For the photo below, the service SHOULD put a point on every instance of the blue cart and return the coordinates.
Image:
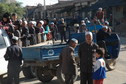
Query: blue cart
(42, 61)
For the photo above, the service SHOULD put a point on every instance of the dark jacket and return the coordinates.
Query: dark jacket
(62, 28)
(86, 56)
(14, 54)
(32, 36)
(25, 35)
(68, 63)
(101, 35)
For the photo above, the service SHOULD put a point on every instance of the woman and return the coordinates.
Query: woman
(7, 25)
(47, 29)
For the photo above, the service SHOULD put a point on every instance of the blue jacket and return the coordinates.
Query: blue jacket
(99, 69)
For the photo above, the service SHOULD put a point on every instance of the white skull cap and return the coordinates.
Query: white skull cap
(82, 21)
(42, 22)
(105, 27)
(100, 8)
(25, 22)
(89, 33)
(15, 38)
(75, 40)
(107, 22)
(52, 23)
(31, 22)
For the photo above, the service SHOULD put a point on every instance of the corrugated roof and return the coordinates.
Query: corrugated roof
(107, 3)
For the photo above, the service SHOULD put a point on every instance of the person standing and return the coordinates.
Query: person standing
(17, 32)
(62, 30)
(24, 34)
(14, 57)
(101, 36)
(54, 31)
(99, 73)
(47, 29)
(100, 15)
(87, 59)
(82, 27)
(32, 33)
(7, 25)
(68, 63)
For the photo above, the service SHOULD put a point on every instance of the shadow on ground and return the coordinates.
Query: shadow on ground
(25, 80)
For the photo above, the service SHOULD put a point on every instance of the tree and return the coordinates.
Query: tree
(12, 8)
(3, 1)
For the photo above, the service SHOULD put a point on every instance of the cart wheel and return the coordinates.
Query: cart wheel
(29, 72)
(44, 74)
(110, 64)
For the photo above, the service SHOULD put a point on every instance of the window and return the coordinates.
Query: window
(2, 42)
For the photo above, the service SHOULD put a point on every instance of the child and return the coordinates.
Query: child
(99, 73)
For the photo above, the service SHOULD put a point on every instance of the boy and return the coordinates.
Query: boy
(99, 73)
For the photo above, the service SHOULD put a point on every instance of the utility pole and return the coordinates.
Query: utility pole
(44, 5)
(45, 12)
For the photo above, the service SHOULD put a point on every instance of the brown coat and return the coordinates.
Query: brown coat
(68, 63)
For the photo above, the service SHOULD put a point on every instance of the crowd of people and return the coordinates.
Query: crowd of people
(25, 33)
(33, 32)
(91, 55)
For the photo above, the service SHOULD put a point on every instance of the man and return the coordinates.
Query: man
(14, 18)
(101, 36)
(83, 27)
(68, 63)
(14, 57)
(100, 15)
(62, 30)
(106, 23)
(85, 52)
(103, 33)
(54, 31)
(32, 33)
(24, 34)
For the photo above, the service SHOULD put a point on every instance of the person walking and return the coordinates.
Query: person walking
(68, 63)
(87, 59)
(99, 73)
(14, 57)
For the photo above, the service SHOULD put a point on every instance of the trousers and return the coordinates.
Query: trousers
(13, 73)
(86, 78)
(98, 81)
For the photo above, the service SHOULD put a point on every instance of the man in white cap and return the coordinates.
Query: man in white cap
(54, 31)
(82, 27)
(106, 23)
(68, 63)
(85, 52)
(32, 33)
(14, 57)
(24, 34)
(102, 33)
(101, 36)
